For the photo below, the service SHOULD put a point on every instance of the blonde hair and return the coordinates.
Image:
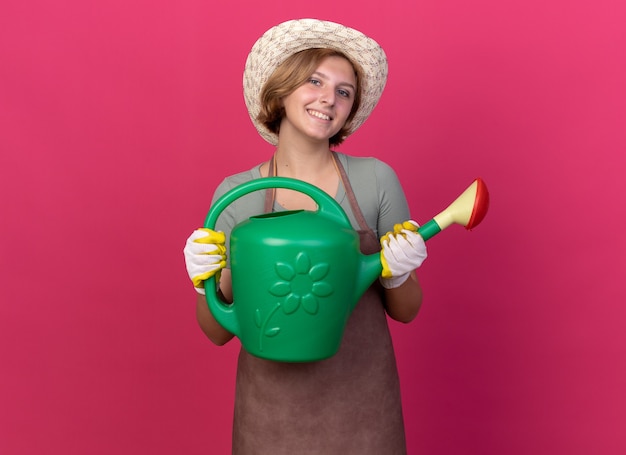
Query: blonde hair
(290, 75)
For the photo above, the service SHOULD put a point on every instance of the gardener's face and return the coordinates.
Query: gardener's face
(320, 107)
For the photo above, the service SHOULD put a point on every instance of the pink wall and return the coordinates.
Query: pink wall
(118, 119)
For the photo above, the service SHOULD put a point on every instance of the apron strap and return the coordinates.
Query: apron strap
(354, 205)
(270, 193)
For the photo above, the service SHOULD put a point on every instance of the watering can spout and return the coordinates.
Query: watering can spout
(370, 270)
(467, 210)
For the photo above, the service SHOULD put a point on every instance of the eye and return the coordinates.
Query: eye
(314, 81)
(343, 93)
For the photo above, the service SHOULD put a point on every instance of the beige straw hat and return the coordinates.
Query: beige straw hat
(290, 37)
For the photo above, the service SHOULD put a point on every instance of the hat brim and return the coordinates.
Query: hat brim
(288, 38)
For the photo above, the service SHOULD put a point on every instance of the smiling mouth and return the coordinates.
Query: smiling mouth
(319, 115)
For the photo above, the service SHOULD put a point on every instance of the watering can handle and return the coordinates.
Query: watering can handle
(327, 206)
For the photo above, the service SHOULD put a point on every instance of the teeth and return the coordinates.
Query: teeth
(319, 115)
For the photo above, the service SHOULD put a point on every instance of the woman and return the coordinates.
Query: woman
(309, 84)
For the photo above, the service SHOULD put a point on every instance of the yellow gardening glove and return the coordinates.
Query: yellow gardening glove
(205, 256)
(403, 251)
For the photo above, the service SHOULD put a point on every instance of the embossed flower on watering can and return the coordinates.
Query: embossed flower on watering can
(301, 284)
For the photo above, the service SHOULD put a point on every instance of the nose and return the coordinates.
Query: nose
(327, 96)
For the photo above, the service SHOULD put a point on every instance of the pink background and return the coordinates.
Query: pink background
(117, 121)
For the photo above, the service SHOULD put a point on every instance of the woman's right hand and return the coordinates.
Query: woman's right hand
(205, 256)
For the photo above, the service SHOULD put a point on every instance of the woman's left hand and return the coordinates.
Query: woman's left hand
(403, 251)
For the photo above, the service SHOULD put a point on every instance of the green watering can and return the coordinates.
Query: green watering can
(297, 275)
